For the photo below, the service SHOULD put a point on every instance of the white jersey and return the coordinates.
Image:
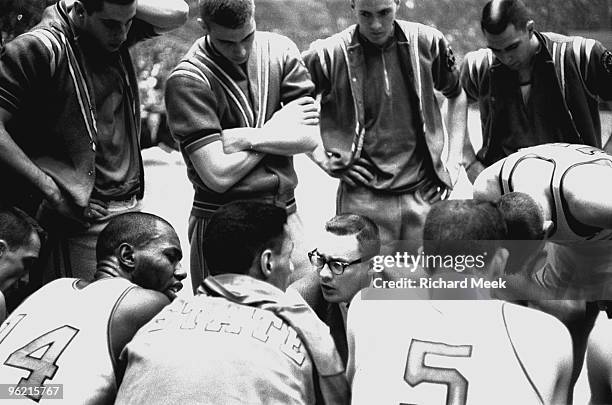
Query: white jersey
(60, 335)
(437, 352)
(581, 254)
(563, 156)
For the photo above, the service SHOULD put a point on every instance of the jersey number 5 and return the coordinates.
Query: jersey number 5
(418, 372)
(39, 357)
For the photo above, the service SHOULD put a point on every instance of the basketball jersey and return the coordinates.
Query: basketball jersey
(564, 157)
(60, 335)
(435, 352)
(209, 350)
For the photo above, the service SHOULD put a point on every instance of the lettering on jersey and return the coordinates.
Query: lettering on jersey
(417, 372)
(221, 316)
(39, 358)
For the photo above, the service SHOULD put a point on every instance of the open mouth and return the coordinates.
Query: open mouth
(173, 290)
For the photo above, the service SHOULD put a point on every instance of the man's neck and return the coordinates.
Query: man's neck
(535, 46)
(108, 267)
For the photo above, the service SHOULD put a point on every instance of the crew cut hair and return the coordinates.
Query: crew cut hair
(227, 13)
(364, 229)
(237, 234)
(498, 14)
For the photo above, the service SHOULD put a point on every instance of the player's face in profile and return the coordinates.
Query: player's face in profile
(15, 264)
(233, 43)
(512, 46)
(109, 27)
(342, 287)
(375, 19)
(157, 264)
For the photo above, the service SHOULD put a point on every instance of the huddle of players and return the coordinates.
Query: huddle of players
(253, 340)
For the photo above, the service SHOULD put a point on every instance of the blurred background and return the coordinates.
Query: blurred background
(307, 20)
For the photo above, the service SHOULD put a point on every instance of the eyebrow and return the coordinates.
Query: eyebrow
(176, 251)
(334, 258)
(506, 48)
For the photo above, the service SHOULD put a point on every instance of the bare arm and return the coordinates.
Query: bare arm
(473, 166)
(136, 308)
(220, 170)
(486, 185)
(456, 123)
(291, 130)
(163, 15)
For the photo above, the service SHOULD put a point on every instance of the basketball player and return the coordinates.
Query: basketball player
(244, 341)
(560, 177)
(20, 240)
(457, 352)
(70, 332)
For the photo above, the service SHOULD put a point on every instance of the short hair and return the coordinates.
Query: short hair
(498, 14)
(525, 223)
(463, 227)
(522, 215)
(237, 234)
(92, 6)
(227, 13)
(16, 228)
(135, 228)
(364, 229)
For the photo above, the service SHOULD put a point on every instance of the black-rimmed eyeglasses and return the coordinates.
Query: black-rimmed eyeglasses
(337, 267)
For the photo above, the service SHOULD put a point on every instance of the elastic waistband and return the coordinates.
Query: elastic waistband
(201, 208)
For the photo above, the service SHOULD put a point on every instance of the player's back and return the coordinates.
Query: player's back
(59, 335)
(209, 350)
(453, 352)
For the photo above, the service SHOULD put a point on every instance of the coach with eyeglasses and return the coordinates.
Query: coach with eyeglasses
(343, 264)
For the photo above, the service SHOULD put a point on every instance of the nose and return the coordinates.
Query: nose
(376, 25)
(121, 33)
(325, 273)
(240, 51)
(179, 273)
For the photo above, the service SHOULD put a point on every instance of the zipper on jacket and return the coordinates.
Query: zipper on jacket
(387, 86)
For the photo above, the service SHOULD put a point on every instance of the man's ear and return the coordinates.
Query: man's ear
(126, 255)
(265, 263)
(3, 247)
(353, 4)
(530, 27)
(203, 24)
(79, 8)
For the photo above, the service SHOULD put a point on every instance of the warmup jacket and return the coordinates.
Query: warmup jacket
(44, 84)
(336, 65)
(578, 70)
